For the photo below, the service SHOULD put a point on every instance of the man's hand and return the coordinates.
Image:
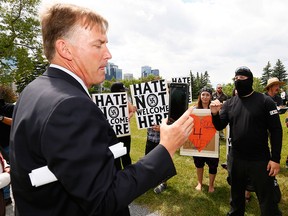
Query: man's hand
(173, 136)
(273, 168)
(215, 106)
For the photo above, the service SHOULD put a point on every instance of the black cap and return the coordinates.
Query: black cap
(206, 89)
(244, 71)
(118, 87)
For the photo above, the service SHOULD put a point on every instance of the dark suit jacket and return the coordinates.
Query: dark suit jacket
(55, 123)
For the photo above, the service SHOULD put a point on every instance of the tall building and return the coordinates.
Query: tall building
(112, 71)
(155, 72)
(118, 74)
(146, 71)
(128, 76)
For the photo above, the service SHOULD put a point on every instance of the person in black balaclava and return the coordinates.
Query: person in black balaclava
(243, 81)
(251, 116)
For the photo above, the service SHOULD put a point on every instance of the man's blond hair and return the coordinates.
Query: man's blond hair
(61, 20)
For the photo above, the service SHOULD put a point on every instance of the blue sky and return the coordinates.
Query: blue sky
(177, 36)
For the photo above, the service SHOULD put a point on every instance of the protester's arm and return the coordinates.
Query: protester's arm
(7, 120)
(275, 129)
(273, 168)
(219, 122)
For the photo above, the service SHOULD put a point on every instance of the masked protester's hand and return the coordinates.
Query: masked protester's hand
(215, 106)
(273, 168)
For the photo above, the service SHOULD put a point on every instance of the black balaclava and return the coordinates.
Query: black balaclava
(244, 87)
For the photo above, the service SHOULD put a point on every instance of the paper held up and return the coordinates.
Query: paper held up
(43, 175)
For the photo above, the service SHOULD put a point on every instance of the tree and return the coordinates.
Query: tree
(192, 84)
(197, 86)
(20, 42)
(279, 71)
(199, 82)
(267, 71)
(149, 78)
(257, 85)
(206, 79)
(228, 89)
(106, 85)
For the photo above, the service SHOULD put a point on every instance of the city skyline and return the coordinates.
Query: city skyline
(114, 71)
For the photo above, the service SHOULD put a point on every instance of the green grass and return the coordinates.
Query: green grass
(181, 198)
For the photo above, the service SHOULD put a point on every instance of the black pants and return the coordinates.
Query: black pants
(150, 146)
(124, 160)
(240, 171)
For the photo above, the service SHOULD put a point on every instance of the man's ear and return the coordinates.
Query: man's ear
(63, 47)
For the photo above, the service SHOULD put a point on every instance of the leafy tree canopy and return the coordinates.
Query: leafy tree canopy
(278, 71)
(20, 42)
(198, 82)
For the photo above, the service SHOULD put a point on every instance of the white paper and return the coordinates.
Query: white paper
(118, 150)
(43, 175)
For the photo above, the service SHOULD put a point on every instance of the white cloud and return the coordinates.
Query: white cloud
(200, 35)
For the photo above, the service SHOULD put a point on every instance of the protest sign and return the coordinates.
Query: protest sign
(204, 139)
(115, 108)
(151, 100)
(184, 80)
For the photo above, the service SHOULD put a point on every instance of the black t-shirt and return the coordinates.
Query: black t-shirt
(250, 120)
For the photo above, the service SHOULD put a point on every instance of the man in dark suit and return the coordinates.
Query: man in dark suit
(55, 123)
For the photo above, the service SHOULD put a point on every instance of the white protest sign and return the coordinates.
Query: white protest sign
(184, 80)
(115, 108)
(151, 100)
